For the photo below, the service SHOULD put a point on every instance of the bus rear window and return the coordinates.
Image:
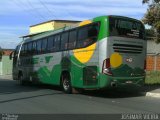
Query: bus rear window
(126, 27)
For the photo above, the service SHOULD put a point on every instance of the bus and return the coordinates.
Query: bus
(104, 52)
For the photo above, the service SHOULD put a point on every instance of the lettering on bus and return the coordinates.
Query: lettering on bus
(127, 24)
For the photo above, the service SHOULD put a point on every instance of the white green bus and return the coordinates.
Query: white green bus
(104, 52)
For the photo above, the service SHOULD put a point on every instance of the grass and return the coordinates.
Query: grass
(152, 78)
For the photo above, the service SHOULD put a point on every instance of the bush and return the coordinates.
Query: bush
(153, 78)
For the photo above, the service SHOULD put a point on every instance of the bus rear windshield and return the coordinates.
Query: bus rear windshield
(126, 28)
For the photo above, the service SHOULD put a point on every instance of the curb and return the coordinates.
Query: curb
(5, 76)
(150, 94)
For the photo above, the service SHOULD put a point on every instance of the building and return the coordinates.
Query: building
(51, 25)
(6, 63)
(153, 56)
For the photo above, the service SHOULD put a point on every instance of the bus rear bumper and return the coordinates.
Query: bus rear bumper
(126, 83)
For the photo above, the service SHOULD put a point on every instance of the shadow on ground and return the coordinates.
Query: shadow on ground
(11, 86)
(113, 94)
(9, 90)
(116, 93)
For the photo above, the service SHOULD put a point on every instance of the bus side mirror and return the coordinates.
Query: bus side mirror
(11, 55)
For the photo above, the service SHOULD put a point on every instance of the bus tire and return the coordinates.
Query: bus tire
(20, 79)
(66, 83)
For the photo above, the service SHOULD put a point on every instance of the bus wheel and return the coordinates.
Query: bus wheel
(66, 84)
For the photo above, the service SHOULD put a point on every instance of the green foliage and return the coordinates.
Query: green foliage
(150, 34)
(152, 17)
(153, 78)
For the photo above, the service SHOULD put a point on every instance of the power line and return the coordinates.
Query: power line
(29, 3)
(68, 12)
(43, 3)
(19, 4)
(37, 16)
(50, 12)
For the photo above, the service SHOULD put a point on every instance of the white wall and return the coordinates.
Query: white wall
(152, 47)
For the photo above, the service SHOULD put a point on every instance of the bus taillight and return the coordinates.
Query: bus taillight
(106, 69)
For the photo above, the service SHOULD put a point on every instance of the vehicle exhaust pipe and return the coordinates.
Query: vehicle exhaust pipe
(113, 84)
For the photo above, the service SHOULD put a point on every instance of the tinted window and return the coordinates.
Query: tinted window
(50, 44)
(22, 50)
(87, 35)
(83, 33)
(126, 27)
(93, 31)
(44, 45)
(29, 48)
(16, 51)
(34, 48)
(82, 36)
(72, 39)
(39, 46)
(56, 43)
(25, 49)
(64, 41)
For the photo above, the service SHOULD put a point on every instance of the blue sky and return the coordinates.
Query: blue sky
(17, 15)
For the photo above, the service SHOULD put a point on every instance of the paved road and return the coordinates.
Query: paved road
(48, 99)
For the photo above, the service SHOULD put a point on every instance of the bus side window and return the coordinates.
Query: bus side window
(44, 45)
(25, 49)
(64, 41)
(16, 55)
(22, 50)
(87, 35)
(56, 43)
(16, 51)
(30, 48)
(72, 39)
(34, 48)
(82, 36)
(39, 46)
(50, 44)
(93, 31)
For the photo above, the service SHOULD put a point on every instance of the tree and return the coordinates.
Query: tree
(149, 34)
(152, 17)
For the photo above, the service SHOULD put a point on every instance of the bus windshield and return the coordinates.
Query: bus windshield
(126, 27)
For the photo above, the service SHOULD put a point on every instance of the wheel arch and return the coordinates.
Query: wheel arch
(63, 73)
(20, 73)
